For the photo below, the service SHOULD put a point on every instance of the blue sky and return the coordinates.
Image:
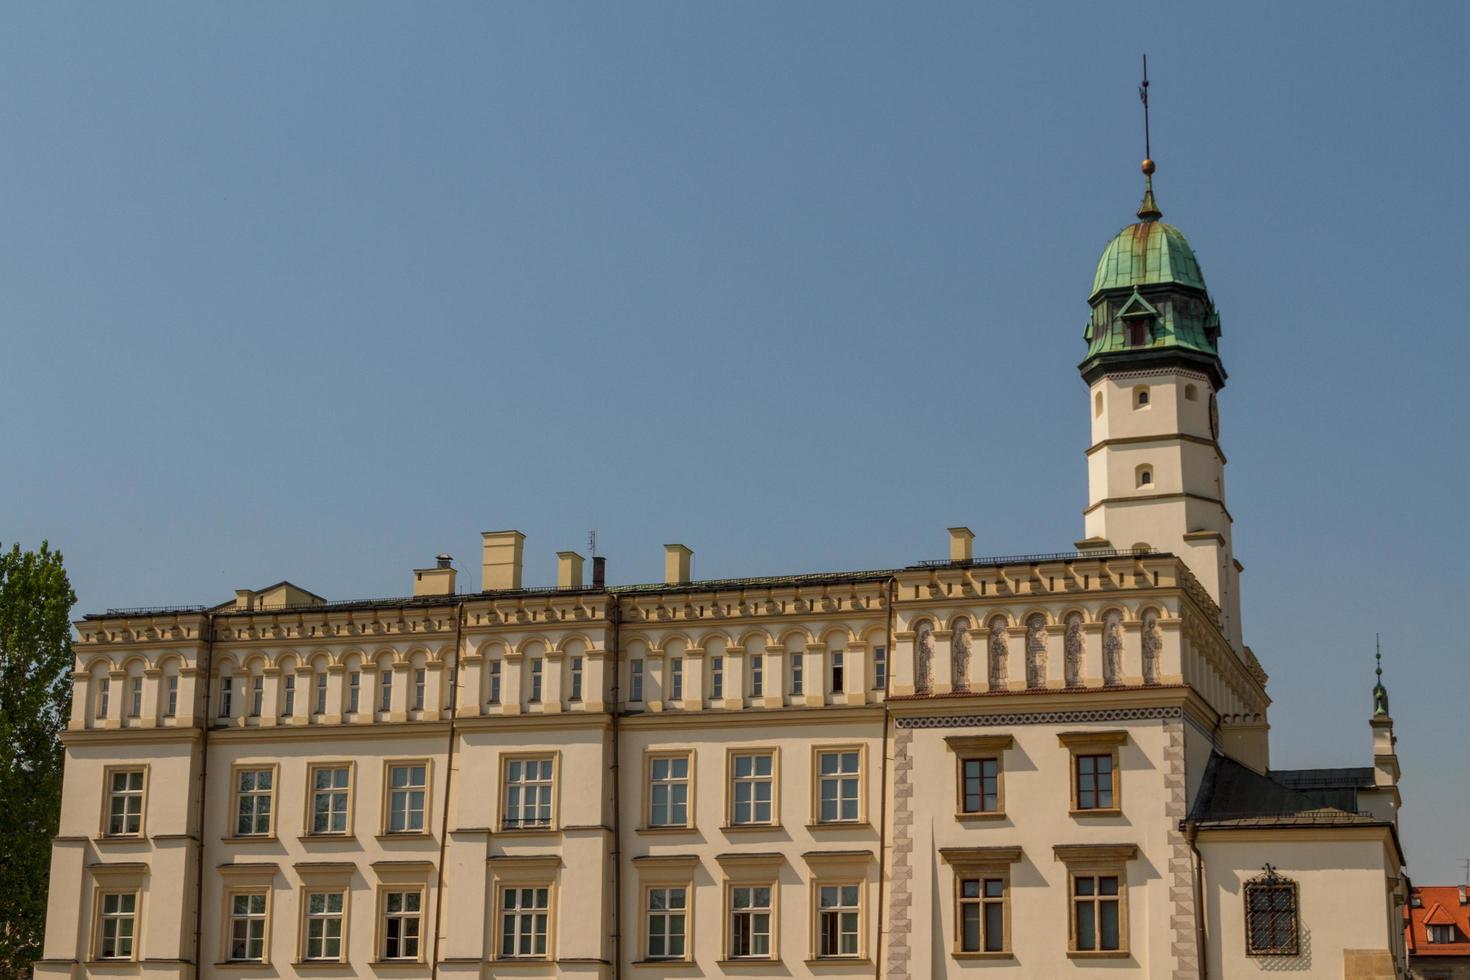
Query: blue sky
(317, 291)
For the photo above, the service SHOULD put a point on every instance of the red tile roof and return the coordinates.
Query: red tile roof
(1439, 905)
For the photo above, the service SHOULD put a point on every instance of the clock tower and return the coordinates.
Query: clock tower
(1156, 474)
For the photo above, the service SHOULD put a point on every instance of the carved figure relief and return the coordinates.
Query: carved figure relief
(1036, 651)
(1153, 644)
(999, 652)
(923, 657)
(1113, 648)
(1073, 666)
(960, 654)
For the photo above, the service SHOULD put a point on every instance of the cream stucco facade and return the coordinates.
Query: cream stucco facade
(1026, 766)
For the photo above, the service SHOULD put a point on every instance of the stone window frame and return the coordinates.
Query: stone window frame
(981, 863)
(233, 832)
(387, 796)
(380, 949)
(310, 805)
(838, 868)
(861, 748)
(125, 878)
(750, 870)
(664, 871)
(731, 752)
(227, 929)
(646, 826)
(970, 748)
(524, 871)
(1094, 743)
(1270, 879)
(553, 822)
(105, 831)
(1094, 860)
(323, 877)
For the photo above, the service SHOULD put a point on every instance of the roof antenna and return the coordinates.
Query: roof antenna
(1149, 209)
(592, 543)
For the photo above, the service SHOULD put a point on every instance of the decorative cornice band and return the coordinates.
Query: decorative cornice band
(1157, 712)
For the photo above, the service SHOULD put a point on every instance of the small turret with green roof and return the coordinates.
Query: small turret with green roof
(1150, 307)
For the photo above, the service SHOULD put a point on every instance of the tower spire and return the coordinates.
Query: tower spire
(1380, 693)
(1148, 210)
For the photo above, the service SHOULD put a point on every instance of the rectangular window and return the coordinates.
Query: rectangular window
(838, 781)
(635, 680)
(837, 672)
(880, 667)
(751, 784)
(401, 921)
(330, 797)
(495, 682)
(135, 697)
(320, 686)
(125, 803)
(247, 928)
(981, 786)
(576, 679)
(253, 794)
(798, 663)
(118, 916)
(354, 691)
(982, 915)
(837, 920)
(171, 700)
(717, 677)
(407, 788)
(226, 696)
(1271, 917)
(385, 689)
(1095, 913)
(257, 695)
(324, 915)
(528, 785)
(420, 685)
(676, 678)
(750, 921)
(668, 791)
(288, 705)
(667, 908)
(524, 913)
(536, 670)
(1094, 782)
(104, 694)
(758, 676)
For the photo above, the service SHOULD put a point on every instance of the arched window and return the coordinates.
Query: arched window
(1097, 403)
(1145, 476)
(1140, 396)
(1271, 919)
(1190, 393)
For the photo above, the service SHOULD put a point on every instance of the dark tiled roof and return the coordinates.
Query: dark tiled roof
(1233, 795)
(1329, 787)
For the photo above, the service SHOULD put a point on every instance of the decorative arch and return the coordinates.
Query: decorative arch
(802, 635)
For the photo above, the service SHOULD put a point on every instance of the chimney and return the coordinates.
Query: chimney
(961, 544)
(1462, 895)
(677, 560)
(502, 564)
(599, 572)
(244, 600)
(568, 570)
(438, 580)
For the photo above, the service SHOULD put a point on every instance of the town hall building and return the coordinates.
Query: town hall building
(1048, 765)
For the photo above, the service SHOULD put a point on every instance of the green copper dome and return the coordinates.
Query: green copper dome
(1150, 307)
(1149, 253)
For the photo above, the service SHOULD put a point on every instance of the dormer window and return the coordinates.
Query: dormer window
(1440, 934)
(1136, 332)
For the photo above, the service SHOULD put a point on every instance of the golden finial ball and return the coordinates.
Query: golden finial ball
(1148, 167)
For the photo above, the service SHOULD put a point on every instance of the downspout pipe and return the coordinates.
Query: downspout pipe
(448, 785)
(614, 612)
(883, 789)
(208, 673)
(1191, 832)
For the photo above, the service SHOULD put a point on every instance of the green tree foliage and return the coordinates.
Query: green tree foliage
(35, 700)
